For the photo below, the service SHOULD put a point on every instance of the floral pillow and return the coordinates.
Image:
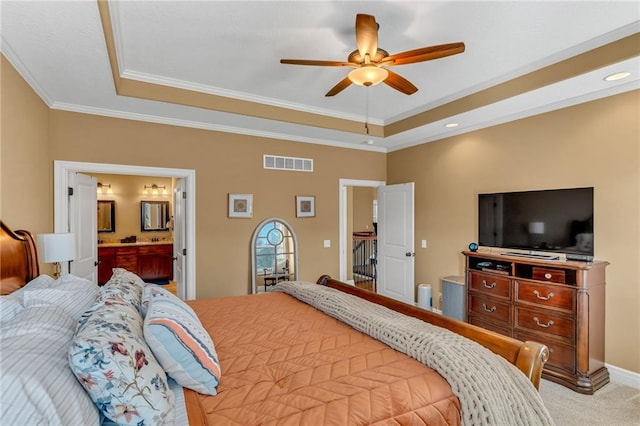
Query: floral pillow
(125, 285)
(112, 361)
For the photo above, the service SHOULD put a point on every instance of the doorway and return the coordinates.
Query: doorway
(61, 207)
(343, 212)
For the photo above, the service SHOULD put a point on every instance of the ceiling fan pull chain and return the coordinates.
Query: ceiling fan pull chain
(366, 110)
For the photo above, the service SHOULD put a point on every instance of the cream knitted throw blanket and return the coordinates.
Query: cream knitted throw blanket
(491, 390)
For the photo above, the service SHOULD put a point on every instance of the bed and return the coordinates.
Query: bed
(306, 353)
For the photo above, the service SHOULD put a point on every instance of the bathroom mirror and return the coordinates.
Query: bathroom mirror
(154, 215)
(106, 216)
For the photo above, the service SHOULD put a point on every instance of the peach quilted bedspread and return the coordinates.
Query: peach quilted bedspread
(285, 363)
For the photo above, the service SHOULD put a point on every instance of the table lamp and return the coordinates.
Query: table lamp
(56, 248)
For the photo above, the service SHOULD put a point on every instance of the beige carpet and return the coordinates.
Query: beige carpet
(614, 404)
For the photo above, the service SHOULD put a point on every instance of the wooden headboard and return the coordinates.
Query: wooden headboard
(18, 259)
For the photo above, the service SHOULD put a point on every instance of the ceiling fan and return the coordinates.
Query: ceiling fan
(369, 62)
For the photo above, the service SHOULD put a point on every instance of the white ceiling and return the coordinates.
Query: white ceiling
(233, 49)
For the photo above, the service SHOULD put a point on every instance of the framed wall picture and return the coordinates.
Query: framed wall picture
(241, 205)
(305, 206)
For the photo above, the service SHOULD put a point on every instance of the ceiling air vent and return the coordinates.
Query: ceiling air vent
(277, 162)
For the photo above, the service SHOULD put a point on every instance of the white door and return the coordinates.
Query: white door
(179, 236)
(396, 253)
(83, 222)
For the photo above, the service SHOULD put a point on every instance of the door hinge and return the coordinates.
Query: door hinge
(69, 191)
(184, 195)
(184, 252)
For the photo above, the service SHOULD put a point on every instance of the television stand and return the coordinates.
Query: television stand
(560, 304)
(532, 255)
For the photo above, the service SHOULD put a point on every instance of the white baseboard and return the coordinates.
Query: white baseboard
(623, 377)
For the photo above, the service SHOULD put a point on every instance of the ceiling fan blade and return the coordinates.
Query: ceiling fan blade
(366, 35)
(317, 63)
(339, 87)
(400, 83)
(425, 54)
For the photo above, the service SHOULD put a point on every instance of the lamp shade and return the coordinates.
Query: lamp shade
(536, 227)
(57, 247)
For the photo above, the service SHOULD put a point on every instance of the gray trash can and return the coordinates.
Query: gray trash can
(454, 297)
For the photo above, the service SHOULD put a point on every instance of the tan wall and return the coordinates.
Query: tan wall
(594, 144)
(363, 208)
(26, 178)
(226, 163)
(127, 194)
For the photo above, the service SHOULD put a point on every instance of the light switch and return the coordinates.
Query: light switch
(424, 243)
(327, 243)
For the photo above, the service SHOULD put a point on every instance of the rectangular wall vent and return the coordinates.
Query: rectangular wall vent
(277, 162)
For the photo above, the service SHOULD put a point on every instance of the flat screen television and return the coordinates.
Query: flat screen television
(556, 220)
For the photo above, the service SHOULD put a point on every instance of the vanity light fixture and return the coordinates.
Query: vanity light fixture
(104, 188)
(617, 76)
(154, 189)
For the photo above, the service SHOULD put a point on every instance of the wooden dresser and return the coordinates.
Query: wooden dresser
(560, 304)
(148, 261)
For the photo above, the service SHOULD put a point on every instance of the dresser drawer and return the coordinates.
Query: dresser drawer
(489, 284)
(490, 326)
(545, 295)
(548, 274)
(561, 356)
(544, 321)
(490, 309)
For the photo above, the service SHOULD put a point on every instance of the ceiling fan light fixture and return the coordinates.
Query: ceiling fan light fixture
(368, 75)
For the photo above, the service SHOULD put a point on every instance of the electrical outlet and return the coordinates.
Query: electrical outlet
(327, 243)
(424, 243)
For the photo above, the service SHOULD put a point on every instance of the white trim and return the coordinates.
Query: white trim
(342, 213)
(61, 170)
(623, 377)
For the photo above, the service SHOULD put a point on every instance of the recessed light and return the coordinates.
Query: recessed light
(450, 125)
(617, 76)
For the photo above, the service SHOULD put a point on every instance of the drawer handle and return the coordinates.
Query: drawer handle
(548, 276)
(484, 306)
(492, 285)
(549, 296)
(547, 325)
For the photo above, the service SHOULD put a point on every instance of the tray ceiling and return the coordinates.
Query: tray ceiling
(215, 65)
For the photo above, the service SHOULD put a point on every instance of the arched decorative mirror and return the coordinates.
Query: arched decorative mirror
(273, 254)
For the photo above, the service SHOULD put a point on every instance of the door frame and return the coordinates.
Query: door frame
(342, 209)
(61, 169)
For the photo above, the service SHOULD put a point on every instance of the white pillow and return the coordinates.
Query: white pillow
(41, 281)
(12, 303)
(73, 303)
(73, 294)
